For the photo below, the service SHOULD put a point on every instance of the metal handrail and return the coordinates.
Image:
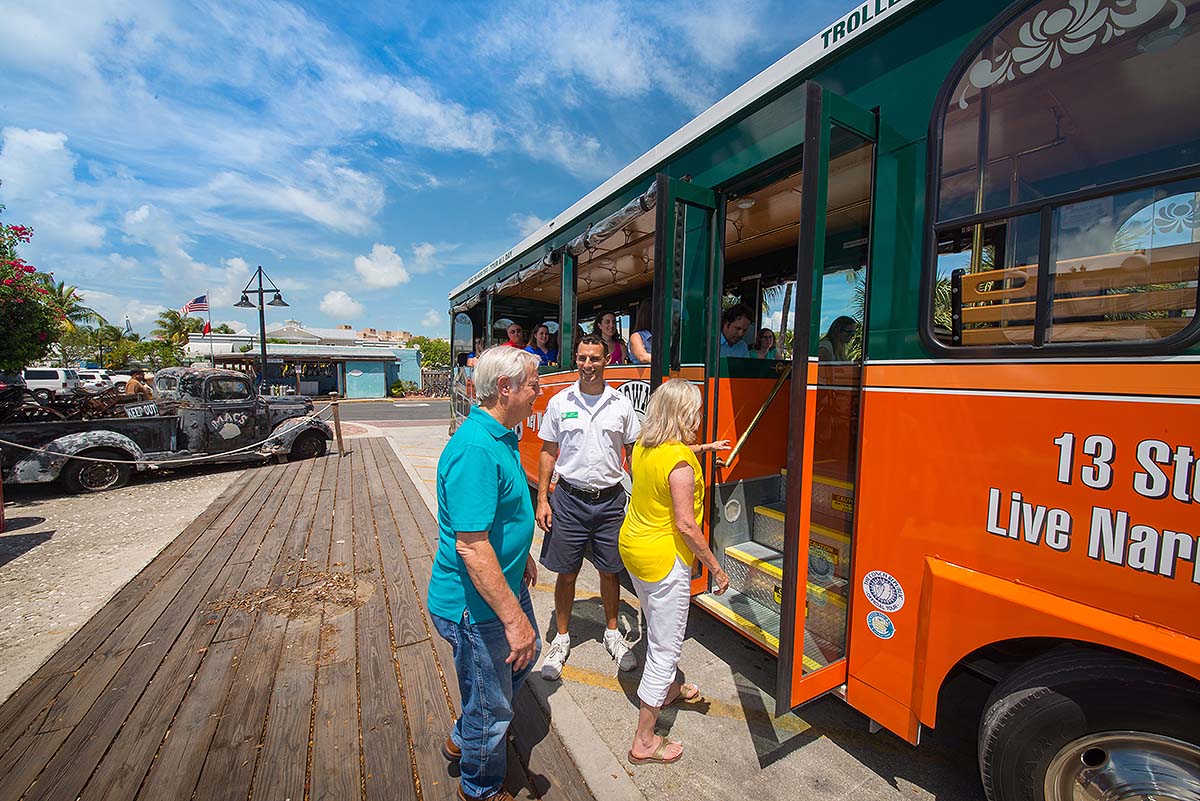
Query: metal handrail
(733, 454)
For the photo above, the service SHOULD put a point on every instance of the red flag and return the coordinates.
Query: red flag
(207, 327)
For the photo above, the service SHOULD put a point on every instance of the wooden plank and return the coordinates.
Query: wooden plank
(14, 754)
(414, 540)
(181, 626)
(281, 771)
(341, 549)
(230, 766)
(517, 780)
(404, 609)
(1105, 330)
(336, 762)
(283, 504)
(335, 753)
(387, 769)
(444, 654)
(172, 776)
(549, 765)
(428, 720)
(35, 695)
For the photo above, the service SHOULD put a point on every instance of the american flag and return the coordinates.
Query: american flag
(195, 305)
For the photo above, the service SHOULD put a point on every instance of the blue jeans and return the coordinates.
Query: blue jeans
(487, 686)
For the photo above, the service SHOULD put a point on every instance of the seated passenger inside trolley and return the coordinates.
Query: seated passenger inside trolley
(735, 322)
(640, 338)
(606, 328)
(541, 345)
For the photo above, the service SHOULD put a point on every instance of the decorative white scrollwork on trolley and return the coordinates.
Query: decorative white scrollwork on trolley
(1072, 30)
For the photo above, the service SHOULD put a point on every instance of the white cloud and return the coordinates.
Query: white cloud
(114, 308)
(425, 257)
(526, 223)
(384, 267)
(325, 190)
(38, 169)
(340, 305)
(433, 319)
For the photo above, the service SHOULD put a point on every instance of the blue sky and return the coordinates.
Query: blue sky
(368, 155)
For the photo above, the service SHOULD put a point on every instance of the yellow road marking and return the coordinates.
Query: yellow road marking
(791, 724)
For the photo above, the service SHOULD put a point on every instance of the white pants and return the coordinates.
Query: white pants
(665, 605)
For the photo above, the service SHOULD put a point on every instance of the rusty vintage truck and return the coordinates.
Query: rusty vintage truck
(213, 413)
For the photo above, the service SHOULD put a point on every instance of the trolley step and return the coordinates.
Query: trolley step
(828, 548)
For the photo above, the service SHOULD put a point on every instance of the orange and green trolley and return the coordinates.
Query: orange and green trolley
(974, 229)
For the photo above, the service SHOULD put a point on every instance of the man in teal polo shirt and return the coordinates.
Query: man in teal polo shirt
(479, 590)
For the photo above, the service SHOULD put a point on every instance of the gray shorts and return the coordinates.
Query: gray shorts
(580, 527)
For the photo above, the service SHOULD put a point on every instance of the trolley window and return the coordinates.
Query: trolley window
(1067, 192)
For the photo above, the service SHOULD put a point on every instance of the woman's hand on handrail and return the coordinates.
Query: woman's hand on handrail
(718, 445)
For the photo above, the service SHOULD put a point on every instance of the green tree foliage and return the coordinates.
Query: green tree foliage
(435, 353)
(152, 353)
(223, 328)
(29, 322)
(69, 302)
(174, 327)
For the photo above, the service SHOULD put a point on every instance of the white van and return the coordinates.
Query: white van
(95, 380)
(47, 382)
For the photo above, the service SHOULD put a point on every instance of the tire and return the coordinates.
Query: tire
(81, 476)
(1079, 716)
(309, 445)
(120, 385)
(44, 396)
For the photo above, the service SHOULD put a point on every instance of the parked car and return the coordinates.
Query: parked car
(10, 380)
(218, 413)
(95, 380)
(46, 382)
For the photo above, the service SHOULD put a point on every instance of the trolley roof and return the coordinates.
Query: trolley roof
(834, 36)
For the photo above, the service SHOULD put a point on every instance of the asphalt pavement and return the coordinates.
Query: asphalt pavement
(432, 409)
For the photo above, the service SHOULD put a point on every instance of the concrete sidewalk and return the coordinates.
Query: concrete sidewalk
(734, 746)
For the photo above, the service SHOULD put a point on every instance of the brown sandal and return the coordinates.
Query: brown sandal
(659, 755)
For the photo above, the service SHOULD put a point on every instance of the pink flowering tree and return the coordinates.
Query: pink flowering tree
(29, 319)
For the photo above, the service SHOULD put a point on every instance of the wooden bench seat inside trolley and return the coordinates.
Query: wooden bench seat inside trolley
(998, 305)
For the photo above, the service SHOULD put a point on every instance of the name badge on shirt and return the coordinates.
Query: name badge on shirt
(570, 415)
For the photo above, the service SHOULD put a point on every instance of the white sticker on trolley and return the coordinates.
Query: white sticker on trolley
(881, 625)
(883, 591)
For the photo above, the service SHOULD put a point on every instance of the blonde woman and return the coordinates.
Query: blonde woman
(659, 540)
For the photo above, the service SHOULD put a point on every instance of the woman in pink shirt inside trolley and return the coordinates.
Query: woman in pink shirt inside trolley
(605, 327)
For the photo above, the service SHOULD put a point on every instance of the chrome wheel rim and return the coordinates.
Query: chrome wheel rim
(1124, 766)
(98, 476)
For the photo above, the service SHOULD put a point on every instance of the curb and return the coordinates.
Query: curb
(606, 777)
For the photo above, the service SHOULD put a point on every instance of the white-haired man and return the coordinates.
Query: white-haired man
(479, 590)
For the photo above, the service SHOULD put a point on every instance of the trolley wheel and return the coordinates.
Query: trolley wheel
(1077, 719)
(43, 396)
(309, 445)
(82, 476)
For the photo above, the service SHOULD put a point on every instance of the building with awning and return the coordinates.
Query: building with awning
(351, 371)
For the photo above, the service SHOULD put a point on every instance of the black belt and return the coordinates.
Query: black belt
(588, 494)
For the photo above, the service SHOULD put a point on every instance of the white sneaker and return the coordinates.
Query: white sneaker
(618, 648)
(556, 657)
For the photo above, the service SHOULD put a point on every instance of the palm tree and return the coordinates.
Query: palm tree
(174, 327)
(68, 301)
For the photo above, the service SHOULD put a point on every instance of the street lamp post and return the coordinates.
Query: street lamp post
(245, 303)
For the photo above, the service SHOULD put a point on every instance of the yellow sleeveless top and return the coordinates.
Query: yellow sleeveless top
(649, 539)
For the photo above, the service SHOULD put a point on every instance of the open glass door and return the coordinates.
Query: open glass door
(685, 300)
(683, 277)
(818, 514)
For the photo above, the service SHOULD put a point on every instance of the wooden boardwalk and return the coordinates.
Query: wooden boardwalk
(277, 649)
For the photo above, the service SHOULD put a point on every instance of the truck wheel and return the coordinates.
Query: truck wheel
(308, 445)
(1079, 720)
(81, 476)
(43, 396)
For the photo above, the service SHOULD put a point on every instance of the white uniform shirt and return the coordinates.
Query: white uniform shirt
(591, 441)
